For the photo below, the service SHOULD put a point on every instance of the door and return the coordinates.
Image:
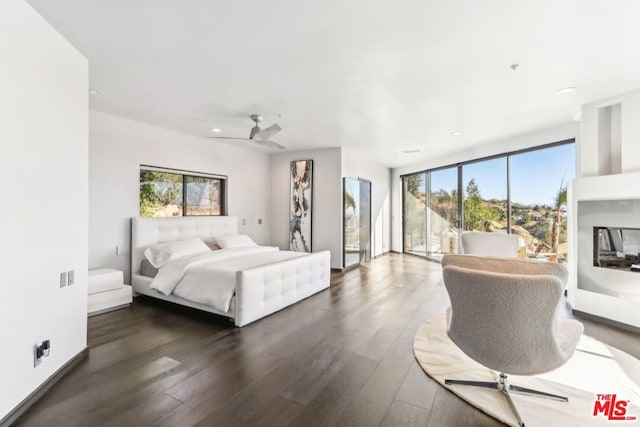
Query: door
(443, 225)
(356, 221)
(414, 222)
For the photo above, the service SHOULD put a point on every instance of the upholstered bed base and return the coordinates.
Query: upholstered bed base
(263, 290)
(260, 291)
(141, 287)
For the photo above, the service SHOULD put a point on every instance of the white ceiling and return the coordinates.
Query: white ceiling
(378, 76)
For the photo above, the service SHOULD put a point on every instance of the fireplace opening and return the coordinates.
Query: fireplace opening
(616, 248)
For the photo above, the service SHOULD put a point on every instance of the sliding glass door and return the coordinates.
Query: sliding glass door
(523, 193)
(485, 195)
(414, 219)
(442, 214)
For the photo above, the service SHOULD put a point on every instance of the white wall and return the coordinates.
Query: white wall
(44, 219)
(595, 152)
(117, 149)
(359, 165)
(326, 232)
(541, 137)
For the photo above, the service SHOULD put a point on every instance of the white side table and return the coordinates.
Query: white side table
(107, 291)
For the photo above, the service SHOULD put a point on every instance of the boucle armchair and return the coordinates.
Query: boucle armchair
(504, 316)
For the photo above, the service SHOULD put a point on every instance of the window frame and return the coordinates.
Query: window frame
(459, 165)
(223, 179)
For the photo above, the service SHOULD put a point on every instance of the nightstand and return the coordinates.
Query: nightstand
(107, 291)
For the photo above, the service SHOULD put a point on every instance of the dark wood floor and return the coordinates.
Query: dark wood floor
(342, 357)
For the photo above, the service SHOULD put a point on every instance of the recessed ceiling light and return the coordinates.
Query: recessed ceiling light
(216, 130)
(95, 92)
(566, 90)
(456, 133)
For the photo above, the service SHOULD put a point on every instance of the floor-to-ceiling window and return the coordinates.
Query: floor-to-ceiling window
(414, 225)
(522, 192)
(485, 195)
(539, 197)
(442, 214)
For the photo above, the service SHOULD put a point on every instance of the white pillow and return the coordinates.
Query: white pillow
(239, 241)
(161, 253)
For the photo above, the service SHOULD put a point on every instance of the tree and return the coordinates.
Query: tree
(441, 203)
(476, 213)
(540, 230)
(560, 201)
(158, 189)
(413, 183)
(472, 189)
(349, 202)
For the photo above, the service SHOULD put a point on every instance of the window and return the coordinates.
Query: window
(168, 192)
(539, 198)
(522, 193)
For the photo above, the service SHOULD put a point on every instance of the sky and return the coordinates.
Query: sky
(536, 176)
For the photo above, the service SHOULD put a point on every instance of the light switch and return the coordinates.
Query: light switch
(63, 279)
(259, 221)
(244, 222)
(71, 276)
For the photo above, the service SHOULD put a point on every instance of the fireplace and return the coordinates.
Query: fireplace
(604, 247)
(617, 248)
(608, 257)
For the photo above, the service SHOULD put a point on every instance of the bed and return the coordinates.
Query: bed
(259, 290)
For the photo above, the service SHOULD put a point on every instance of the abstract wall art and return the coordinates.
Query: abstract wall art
(300, 211)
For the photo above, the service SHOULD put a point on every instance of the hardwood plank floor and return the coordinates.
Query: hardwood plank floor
(342, 357)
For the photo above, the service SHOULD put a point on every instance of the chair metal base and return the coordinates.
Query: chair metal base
(503, 386)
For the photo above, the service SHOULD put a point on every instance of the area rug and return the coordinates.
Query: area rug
(598, 379)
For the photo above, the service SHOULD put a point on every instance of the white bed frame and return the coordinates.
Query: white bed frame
(260, 291)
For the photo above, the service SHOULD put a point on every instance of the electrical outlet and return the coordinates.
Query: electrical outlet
(63, 279)
(46, 348)
(40, 351)
(71, 277)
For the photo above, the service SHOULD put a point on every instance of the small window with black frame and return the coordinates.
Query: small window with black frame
(168, 192)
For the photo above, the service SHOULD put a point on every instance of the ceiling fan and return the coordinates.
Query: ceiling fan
(258, 135)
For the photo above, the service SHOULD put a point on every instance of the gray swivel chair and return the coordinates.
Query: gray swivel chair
(492, 244)
(504, 316)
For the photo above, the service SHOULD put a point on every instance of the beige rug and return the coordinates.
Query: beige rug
(595, 368)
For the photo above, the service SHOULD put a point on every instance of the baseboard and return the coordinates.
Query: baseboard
(604, 320)
(23, 406)
(351, 267)
(107, 310)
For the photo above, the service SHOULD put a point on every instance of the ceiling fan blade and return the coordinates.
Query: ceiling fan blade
(267, 133)
(227, 137)
(270, 144)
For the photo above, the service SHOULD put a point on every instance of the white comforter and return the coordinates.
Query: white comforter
(210, 278)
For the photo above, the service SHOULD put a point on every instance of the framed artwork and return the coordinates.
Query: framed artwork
(300, 210)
